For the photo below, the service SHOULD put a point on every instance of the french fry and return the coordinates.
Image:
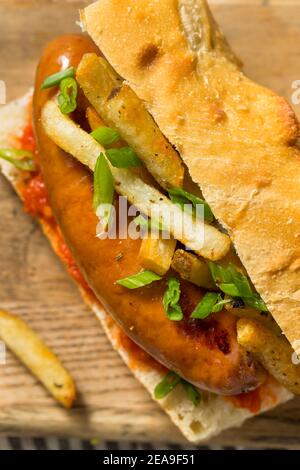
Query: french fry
(204, 239)
(94, 119)
(192, 269)
(271, 350)
(37, 357)
(156, 254)
(121, 109)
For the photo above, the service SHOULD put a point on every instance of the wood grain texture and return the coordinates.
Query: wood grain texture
(33, 283)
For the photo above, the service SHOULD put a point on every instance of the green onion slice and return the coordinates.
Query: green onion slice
(124, 157)
(230, 289)
(241, 282)
(233, 283)
(103, 190)
(192, 392)
(149, 224)
(105, 136)
(219, 274)
(144, 278)
(21, 159)
(256, 302)
(56, 78)
(171, 300)
(210, 303)
(67, 98)
(181, 197)
(218, 307)
(169, 382)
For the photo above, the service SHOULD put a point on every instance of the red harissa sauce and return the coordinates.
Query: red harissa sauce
(36, 203)
(251, 400)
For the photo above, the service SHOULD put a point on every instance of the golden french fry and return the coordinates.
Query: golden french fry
(121, 109)
(156, 254)
(94, 119)
(273, 351)
(204, 239)
(192, 269)
(37, 357)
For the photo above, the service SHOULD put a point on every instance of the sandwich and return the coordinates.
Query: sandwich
(167, 182)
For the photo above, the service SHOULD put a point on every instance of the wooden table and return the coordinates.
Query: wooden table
(111, 404)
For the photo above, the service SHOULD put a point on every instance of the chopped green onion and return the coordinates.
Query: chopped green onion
(181, 201)
(192, 392)
(241, 282)
(21, 159)
(124, 157)
(103, 189)
(230, 289)
(56, 78)
(181, 197)
(219, 274)
(233, 283)
(149, 224)
(144, 278)
(169, 382)
(206, 305)
(218, 307)
(256, 302)
(171, 300)
(105, 136)
(67, 98)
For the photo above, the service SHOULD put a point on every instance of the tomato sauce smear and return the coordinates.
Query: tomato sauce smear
(27, 140)
(250, 400)
(36, 203)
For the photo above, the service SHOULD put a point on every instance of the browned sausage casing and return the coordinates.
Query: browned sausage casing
(205, 353)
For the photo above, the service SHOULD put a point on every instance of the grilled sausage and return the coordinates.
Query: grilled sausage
(204, 352)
